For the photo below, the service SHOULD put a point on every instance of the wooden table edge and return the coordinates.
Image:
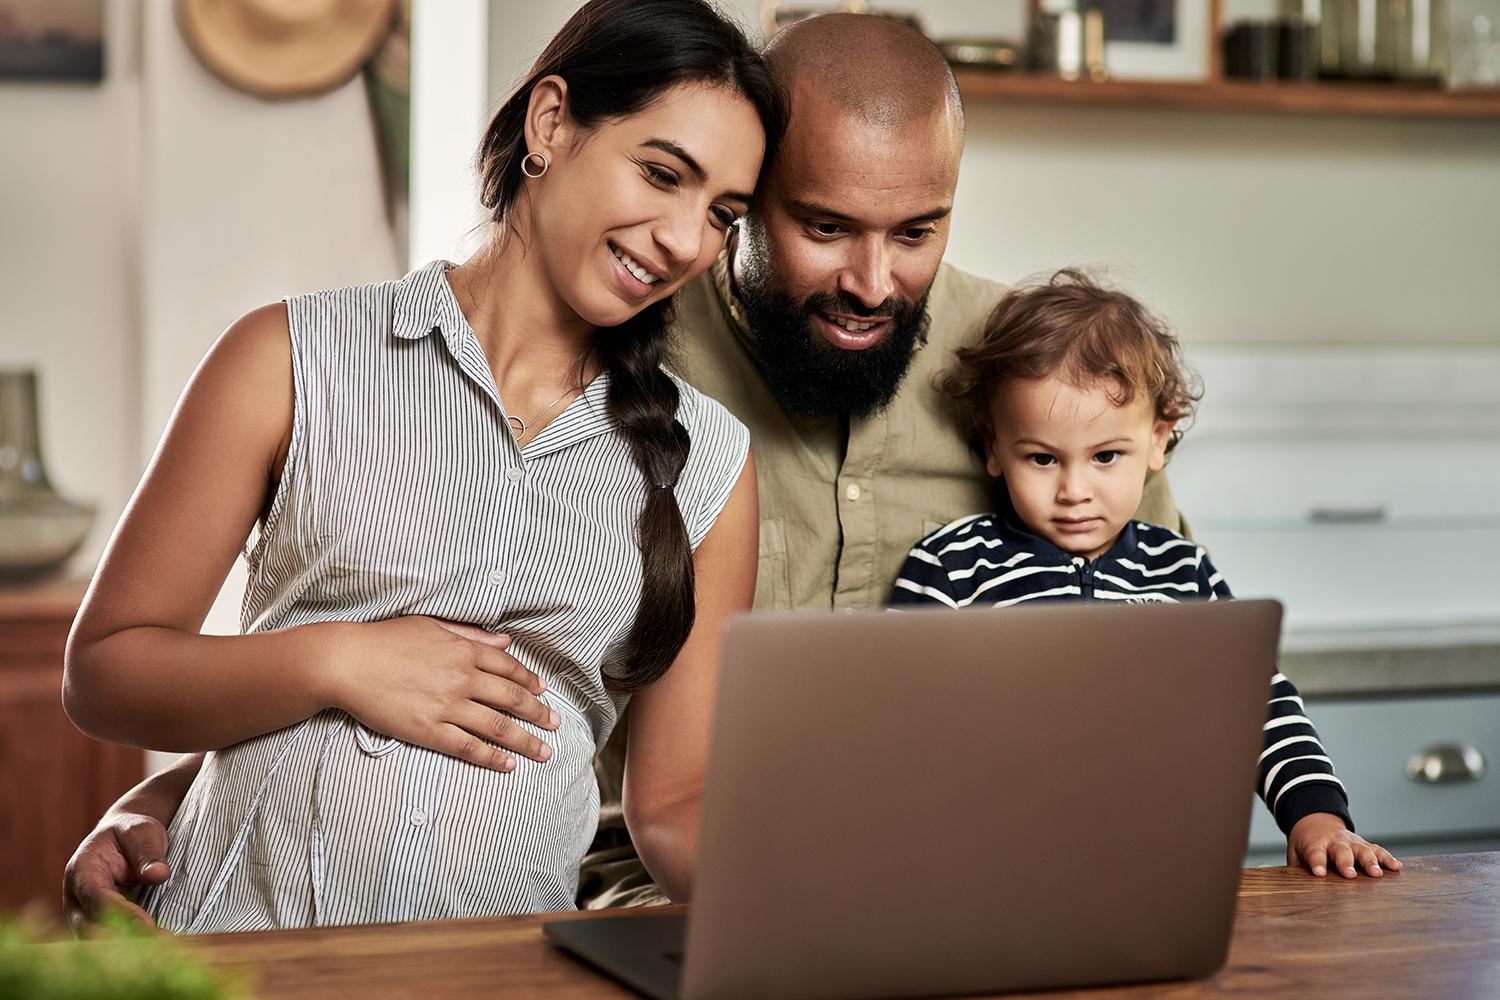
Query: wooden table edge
(463, 950)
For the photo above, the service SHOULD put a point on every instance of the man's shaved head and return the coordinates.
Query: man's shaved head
(874, 68)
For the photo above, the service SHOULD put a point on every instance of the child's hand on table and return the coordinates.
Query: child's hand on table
(1320, 841)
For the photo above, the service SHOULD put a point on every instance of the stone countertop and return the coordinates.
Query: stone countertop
(1394, 671)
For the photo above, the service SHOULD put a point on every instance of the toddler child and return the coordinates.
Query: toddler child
(1073, 395)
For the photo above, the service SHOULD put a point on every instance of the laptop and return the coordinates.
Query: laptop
(937, 803)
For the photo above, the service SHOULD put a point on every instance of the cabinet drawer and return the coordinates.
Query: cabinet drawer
(1370, 741)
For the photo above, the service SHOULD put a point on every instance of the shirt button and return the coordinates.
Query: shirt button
(514, 475)
(418, 818)
(497, 577)
(853, 491)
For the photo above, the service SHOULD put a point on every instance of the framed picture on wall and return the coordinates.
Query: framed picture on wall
(1154, 39)
(52, 40)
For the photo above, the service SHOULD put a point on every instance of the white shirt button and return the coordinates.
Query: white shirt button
(418, 818)
(497, 577)
(514, 475)
(853, 491)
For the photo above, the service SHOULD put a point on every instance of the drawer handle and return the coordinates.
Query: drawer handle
(1449, 762)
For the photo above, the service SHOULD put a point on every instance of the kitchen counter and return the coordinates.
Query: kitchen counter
(1342, 672)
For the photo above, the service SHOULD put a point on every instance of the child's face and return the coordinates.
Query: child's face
(1073, 461)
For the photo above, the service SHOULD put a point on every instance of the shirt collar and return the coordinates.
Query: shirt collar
(424, 303)
(583, 418)
(720, 275)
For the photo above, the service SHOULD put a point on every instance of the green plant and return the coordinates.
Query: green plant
(124, 962)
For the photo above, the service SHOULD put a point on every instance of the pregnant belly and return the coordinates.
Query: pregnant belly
(345, 826)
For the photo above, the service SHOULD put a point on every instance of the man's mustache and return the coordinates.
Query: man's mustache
(843, 302)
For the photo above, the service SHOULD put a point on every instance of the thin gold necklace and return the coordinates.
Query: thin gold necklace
(518, 426)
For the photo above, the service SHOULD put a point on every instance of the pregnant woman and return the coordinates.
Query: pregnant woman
(485, 520)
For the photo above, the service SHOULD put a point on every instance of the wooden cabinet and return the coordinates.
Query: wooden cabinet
(54, 781)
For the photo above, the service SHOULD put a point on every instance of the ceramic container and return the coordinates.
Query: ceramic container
(39, 529)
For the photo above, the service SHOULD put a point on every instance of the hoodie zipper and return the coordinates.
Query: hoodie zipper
(1084, 569)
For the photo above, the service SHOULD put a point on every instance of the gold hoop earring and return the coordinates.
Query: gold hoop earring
(527, 159)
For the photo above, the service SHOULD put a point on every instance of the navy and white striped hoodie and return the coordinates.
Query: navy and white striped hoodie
(992, 560)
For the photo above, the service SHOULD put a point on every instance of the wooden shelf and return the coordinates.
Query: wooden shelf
(1325, 98)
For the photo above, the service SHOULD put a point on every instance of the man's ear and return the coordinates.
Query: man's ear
(548, 124)
(1161, 433)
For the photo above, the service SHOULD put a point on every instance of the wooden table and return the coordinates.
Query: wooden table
(1430, 932)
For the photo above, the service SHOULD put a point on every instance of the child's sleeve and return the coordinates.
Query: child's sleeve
(1211, 585)
(1295, 775)
(924, 580)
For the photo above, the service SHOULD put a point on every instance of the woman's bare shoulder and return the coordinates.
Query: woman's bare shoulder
(241, 396)
(253, 355)
(261, 337)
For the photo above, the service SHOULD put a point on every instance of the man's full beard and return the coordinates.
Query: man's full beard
(812, 378)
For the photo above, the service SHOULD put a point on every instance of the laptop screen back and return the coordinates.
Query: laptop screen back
(941, 802)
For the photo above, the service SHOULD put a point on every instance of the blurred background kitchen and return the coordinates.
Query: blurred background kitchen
(1309, 192)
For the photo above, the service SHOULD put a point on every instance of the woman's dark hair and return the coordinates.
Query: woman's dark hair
(618, 56)
(1076, 328)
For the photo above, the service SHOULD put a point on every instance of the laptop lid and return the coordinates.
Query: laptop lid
(939, 802)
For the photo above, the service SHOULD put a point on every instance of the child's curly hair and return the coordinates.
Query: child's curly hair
(1074, 327)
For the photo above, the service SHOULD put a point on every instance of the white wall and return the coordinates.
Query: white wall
(1361, 486)
(246, 201)
(1247, 229)
(67, 261)
(449, 110)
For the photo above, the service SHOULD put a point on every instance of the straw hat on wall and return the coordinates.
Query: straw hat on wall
(284, 48)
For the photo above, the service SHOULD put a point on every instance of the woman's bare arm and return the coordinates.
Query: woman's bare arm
(670, 721)
(138, 672)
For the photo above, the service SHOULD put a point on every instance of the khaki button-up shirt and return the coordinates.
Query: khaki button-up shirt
(840, 509)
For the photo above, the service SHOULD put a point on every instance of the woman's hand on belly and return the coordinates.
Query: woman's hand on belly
(437, 684)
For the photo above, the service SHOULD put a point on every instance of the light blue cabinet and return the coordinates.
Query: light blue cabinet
(1372, 740)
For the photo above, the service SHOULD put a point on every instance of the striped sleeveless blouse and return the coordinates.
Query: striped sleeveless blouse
(405, 494)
